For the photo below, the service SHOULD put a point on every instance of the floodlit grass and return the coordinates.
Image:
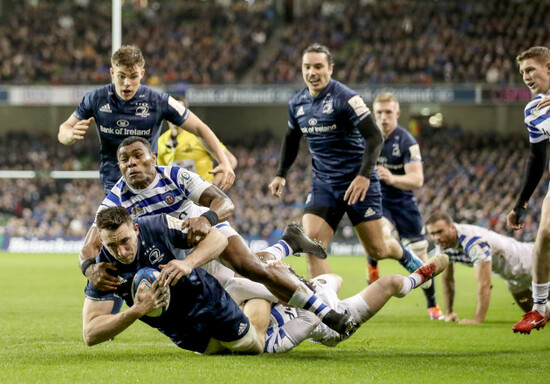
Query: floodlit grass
(40, 338)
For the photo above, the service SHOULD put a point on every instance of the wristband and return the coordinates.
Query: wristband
(211, 216)
(520, 209)
(86, 264)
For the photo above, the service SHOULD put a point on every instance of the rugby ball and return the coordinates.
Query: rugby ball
(148, 277)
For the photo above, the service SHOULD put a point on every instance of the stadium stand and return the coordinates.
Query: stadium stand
(476, 183)
(374, 42)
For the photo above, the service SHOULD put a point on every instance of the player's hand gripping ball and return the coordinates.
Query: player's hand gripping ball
(148, 276)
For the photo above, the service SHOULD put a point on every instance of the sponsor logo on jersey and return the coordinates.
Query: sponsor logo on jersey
(123, 123)
(300, 112)
(358, 105)
(179, 107)
(370, 212)
(142, 110)
(174, 223)
(312, 121)
(242, 328)
(106, 108)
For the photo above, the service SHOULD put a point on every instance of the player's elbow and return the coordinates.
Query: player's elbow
(219, 240)
(89, 338)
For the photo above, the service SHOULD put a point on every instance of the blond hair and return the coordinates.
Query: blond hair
(540, 54)
(128, 56)
(386, 97)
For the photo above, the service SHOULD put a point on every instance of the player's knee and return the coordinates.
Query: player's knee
(249, 343)
(544, 233)
(418, 247)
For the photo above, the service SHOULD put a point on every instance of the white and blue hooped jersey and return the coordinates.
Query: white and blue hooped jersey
(175, 191)
(117, 119)
(537, 120)
(329, 123)
(400, 148)
(510, 258)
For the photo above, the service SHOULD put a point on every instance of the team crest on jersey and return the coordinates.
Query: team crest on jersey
(154, 255)
(185, 175)
(142, 110)
(300, 112)
(327, 108)
(169, 198)
(136, 210)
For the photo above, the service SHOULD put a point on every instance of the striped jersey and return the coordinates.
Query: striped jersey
(477, 244)
(174, 191)
(537, 120)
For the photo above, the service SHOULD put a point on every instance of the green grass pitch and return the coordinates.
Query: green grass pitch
(40, 338)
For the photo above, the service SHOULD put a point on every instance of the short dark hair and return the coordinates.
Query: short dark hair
(128, 56)
(112, 218)
(133, 139)
(440, 215)
(319, 48)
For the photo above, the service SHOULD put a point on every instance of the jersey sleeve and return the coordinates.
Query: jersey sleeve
(479, 252)
(191, 183)
(354, 108)
(537, 121)
(163, 228)
(85, 109)
(176, 113)
(411, 154)
(292, 121)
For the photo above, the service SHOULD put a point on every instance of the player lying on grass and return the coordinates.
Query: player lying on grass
(201, 315)
(145, 189)
(290, 326)
(487, 252)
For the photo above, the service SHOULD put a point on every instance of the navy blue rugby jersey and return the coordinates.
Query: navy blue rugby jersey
(196, 301)
(329, 123)
(397, 152)
(117, 119)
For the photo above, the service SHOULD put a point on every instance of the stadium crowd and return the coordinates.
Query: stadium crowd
(414, 42)
(476, 183)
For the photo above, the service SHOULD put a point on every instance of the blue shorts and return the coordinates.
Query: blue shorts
(200, 309)
(406, 218)
(327, 201)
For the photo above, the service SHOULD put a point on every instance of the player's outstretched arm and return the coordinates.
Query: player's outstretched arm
(100, 325)
(448, 288)
(218, 177)
(221, 209)
(534, 170)
(73, 129)
(211, 143)
(207, 250)
(483, 278)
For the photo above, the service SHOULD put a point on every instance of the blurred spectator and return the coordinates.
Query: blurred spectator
(205, 42)
(475, 182)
